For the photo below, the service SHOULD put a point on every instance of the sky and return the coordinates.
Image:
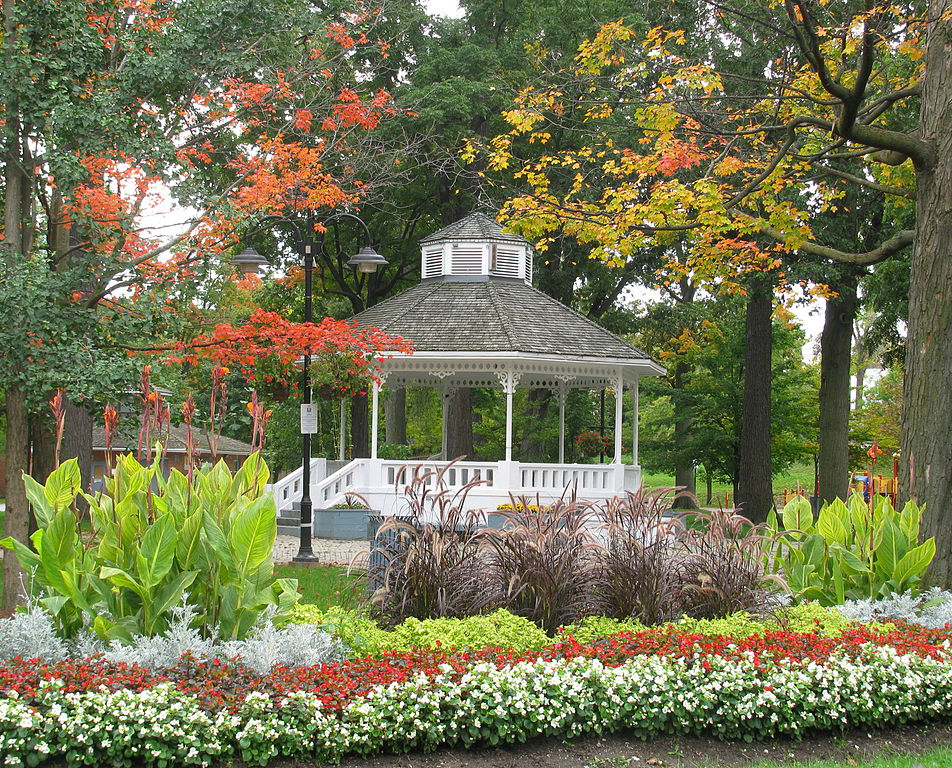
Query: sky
(443, 8)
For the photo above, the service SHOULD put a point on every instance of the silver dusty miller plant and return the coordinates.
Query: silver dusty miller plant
(32, 635)
(931, 609)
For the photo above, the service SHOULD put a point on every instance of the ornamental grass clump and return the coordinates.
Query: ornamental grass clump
(544, 564)
(723, 571)
(431, 564)
(639, 572)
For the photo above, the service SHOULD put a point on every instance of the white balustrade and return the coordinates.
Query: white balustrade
(380, 482)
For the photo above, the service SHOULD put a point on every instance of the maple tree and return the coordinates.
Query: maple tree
(127, 120)
(736, 167)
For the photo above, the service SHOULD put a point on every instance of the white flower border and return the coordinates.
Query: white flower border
(645, 696)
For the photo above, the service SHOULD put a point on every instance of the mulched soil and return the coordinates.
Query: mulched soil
(621, 752)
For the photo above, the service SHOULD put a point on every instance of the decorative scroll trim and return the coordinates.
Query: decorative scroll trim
(509, 381)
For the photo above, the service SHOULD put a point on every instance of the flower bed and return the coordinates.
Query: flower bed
(93, 713)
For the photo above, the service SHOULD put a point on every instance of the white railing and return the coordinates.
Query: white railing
(348, 479)
(559, 477)
(400, 473)
(287, 490)
(380, 481)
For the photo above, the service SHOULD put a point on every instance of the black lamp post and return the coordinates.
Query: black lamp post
(366, 260)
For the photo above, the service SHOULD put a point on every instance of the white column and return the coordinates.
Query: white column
(563, 396)
(509, 393)
(374, 418)
(634, 423)
(509, 381)
(619, 405)
(343, 429)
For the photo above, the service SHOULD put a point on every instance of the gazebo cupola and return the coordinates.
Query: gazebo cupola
(476, 248)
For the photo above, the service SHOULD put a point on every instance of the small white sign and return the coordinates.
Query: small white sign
(308, 418)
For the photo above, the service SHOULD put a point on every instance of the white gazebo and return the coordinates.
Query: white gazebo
(476, 321)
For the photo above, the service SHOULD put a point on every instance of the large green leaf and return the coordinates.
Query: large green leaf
(851, 563)
(171, 594)
(215, 538)
(63, 484)
(798, 515)
(188, 541)
(28, 559)
(909, 520)
(121, 578)
(253, 475)
(36, 495)
(157, 552)
(914, 563)
(58, 549)
(830, 526)
(891, 550)
(252, 535)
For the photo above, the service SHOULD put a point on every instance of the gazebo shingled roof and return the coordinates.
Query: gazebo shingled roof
(493, 315)
(476, 226)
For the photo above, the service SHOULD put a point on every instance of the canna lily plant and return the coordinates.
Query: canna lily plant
(152, 542)
(851, 550)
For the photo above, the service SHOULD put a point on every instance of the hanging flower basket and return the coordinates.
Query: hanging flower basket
(592, 443)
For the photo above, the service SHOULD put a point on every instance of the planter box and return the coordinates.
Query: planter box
(341, 523)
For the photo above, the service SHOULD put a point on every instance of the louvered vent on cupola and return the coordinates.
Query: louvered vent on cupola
(433, 261)
(475, 248)
(466, 259)
(506, 261)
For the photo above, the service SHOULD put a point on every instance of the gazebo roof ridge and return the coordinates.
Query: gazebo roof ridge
(502, 319)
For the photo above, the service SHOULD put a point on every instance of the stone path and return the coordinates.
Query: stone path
(336, 551)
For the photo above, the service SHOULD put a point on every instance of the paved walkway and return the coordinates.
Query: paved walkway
(336, 551)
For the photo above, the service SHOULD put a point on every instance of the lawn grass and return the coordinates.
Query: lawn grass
(325, 585)
(939, 758)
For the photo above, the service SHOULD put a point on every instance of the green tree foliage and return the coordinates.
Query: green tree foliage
(713, 348)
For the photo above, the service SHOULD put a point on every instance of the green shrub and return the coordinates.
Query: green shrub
(152, 542)
(596, 627)
(849, 552)
(498, 629)
(805, 617)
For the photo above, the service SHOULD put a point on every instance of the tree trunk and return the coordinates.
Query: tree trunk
(78, 442)
(17, 521)
(359, 431)
(835, 345)
(533, 440)
(395, 416)
(685, 475)
(754, 481)
(459, 424)
(926, 464)
(15, 191)
(709, 481)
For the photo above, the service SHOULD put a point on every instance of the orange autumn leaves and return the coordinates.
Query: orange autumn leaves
(267, 337)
